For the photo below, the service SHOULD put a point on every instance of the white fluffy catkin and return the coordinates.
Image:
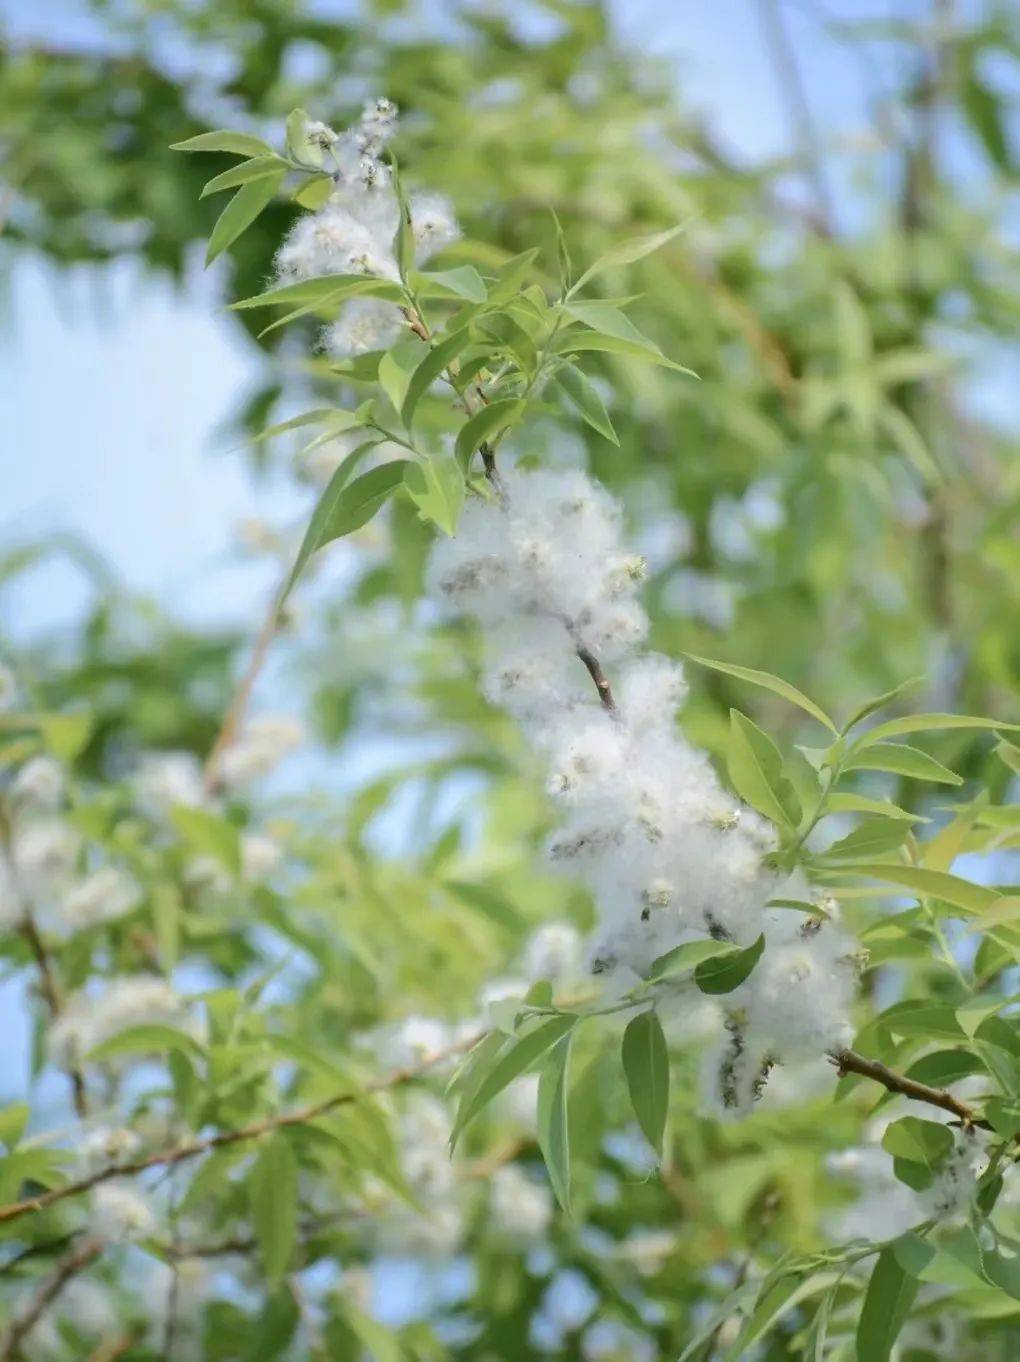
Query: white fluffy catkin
(354, 231)
(668, 854)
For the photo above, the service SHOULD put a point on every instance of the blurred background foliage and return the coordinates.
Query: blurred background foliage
(835, 500)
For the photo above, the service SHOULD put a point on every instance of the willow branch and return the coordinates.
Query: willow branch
(598, 676)
(191, 1149)
(849, 1062)
(792, 85)
(47, 977)
(69, 1266)
(238, 706)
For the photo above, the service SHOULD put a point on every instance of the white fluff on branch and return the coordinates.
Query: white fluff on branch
(669, 855)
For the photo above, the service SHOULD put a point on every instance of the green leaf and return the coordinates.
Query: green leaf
(873, 837)
(431, 367)
(511, 276)
(511, 1062)
(756, 772)
(887, 1303)
(986, 116)
(324, 288)
(403, 237)
(273, 1196)
(938, 884)
(209, 833)
(840, 802)
(880, 701)
(437, 488)
(768, 682)
(1009, 754)
(901, 760)
(626, 253)
(314, 192)
(943, 1067)
(150, 1038)
(335, 419)
(238, 143)
(66, 735)
(684, 957)
(924, 1142)
(924, 723)
(241, 174)
(241, 212)
(584, 396)
(933, 1021)
(485, 425)
(774, 1300)
(646, 1066)
(344, 507)
(552, 1119)
(1003, 912)
(576, 342)
(13, 1120)
(464, 281)
(297, 135)
(723, 973)
(607, 320)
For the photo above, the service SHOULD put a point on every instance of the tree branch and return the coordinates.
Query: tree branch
(238, 706)
(849, 1062)
(792, 87)
(79, 1258)
(169, 1158)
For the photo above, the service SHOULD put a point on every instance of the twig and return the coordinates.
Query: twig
(849, 1062)
(169, 1158)
(109, 1351)
(51, 993)
(598, 676)
(792, 86)
(236, 710)
(69, 1266)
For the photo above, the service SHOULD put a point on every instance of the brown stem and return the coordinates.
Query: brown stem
(596, 673)
(79, 1258)
(51, 993)
(849, 1062)
(236, 710)
(169, 1158)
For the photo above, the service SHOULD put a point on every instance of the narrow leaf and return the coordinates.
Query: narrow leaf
(552, 1121)
(646, 1066)
(723, 973)
(887, 1303)
(344, 507)
(769, 682)
(486, 425)
(241, 212)
(237, 143)
(273, 1195)
(584, 396)
(901, 760)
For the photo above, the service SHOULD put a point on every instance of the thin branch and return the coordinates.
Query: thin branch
(599, 677)
(69, 1266)
(849, 1062)
(47, 977)
(805, 131)
(169, 1158)
(51, 993)
(110, 1350)
(238, 707)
